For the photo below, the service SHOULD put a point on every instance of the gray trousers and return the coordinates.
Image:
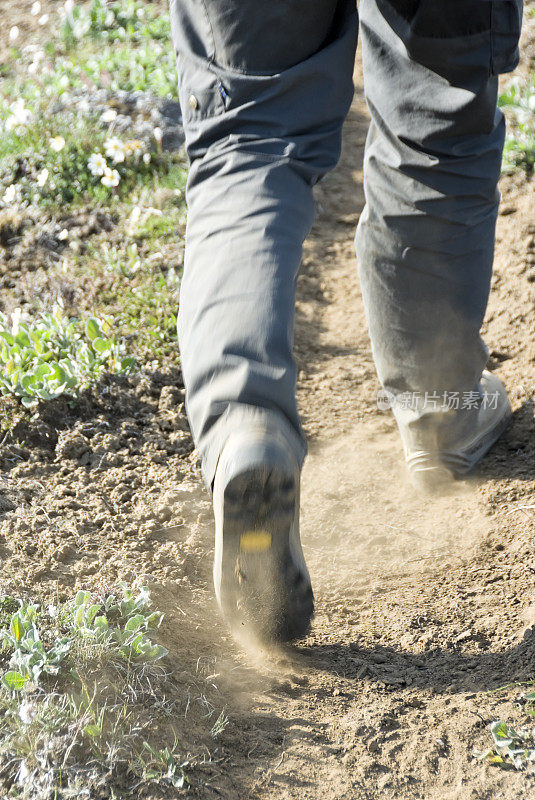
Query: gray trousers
(264, 87)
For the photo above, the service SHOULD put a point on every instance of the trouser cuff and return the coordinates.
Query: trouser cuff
(240, 417)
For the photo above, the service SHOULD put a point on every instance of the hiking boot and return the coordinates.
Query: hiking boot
(261, 580)
(435, 459)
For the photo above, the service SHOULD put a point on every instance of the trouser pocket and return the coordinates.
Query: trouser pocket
(200, 90)
(456, 38)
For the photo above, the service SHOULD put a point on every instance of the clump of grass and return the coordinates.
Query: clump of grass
(56, 356)
(121, 45)
(141, 291)
(518, 103)
(59, 736)
(114, 28)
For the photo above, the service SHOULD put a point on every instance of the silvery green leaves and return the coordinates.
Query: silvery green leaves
(56, 356)
(43, 644)
(121, 622)
(29, 657)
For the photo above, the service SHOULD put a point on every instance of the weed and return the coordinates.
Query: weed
(141, 294)
(117, 626)
(116, 46)
(513, 747)
(56, 356)
(71, 159)
(59, 736)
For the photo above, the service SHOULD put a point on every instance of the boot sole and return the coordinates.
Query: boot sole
(263, 593)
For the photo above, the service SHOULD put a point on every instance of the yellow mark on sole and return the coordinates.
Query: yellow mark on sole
(255, 541)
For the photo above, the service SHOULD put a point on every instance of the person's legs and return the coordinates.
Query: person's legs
(264, 87)
(425, 240)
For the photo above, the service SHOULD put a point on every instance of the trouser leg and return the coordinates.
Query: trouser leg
(426, 237)
(264, 88)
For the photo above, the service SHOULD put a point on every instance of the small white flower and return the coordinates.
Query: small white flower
(32, 68)
(57, 143)
(110, 19)
(62, 236)
(157, 133)
(109, 115)
(97, 164)
(10, 194)
(20, 115)
(36, 8)
(135, 215)
(42, 177)
(15, 320)
(14, 34)
(27, 712)
(52, 609)
(115, 149)
(63, 81)
(68, 6)
(110, 178)
(43, 20)
(23, 773)
(146, 158)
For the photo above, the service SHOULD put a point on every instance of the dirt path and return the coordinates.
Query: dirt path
(424, 609)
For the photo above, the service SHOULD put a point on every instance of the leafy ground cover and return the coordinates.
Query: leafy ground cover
(79, 679)
(92, 216)
(73, 142)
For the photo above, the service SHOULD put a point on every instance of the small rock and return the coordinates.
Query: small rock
(172, 139)
(164, 513)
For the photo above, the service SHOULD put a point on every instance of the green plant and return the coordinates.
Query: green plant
(72, 159)
(58, 735)
(513, 747)
(163, 763)
(119, 45)
(56, 356)
(29, 656)
(117, 625)
(123, 625)
(129, 20)
(142, 297)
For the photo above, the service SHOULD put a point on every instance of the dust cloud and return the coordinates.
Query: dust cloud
(363, 525)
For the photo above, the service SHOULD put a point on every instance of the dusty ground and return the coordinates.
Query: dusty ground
(424, 609)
